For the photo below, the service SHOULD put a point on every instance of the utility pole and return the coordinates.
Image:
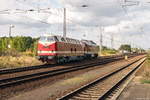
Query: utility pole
(10, 28)
(64, 24)
(101, 40)
(112, 41)
(9, 31)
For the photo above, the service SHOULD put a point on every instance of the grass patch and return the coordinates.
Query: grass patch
(146, 71)
(145, 81)
(108, 52)
(12, 59)
(20, 61)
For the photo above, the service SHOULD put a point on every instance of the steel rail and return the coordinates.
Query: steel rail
(28, 68)
(79, 90)
(107, 93)
(4, 83)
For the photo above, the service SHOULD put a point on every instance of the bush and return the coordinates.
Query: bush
(17, 44)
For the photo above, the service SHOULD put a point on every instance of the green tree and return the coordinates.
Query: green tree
(125, 47)
(19, 44)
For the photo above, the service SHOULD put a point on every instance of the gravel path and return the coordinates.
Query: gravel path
(136, 91)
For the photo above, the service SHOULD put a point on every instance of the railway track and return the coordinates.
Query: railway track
(23, 69)
(7, 82)
(101, 88)
(11, 81)
(9, 86)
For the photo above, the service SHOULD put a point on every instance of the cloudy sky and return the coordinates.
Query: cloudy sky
(119, 21)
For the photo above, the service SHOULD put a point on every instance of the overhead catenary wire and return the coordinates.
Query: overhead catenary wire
(39, 10)
(124, 8)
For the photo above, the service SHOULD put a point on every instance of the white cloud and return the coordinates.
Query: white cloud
(130, 27)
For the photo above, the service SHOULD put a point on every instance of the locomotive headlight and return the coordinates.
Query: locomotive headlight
(39, 51)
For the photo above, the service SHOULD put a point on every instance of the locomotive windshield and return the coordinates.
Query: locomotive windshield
(47, 39)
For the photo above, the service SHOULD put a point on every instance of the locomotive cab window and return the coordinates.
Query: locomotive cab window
(43, 38)
(47, 39)
(51, 39)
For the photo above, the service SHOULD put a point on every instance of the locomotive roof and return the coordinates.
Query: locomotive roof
(71, 40)
(89, 42)
(62, 39)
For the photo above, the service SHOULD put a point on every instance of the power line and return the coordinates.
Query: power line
(127, 3)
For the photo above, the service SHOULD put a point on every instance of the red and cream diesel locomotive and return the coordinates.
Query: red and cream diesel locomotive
(57, 49)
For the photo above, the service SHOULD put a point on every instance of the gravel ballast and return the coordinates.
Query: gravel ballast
(63, 86)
